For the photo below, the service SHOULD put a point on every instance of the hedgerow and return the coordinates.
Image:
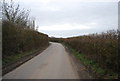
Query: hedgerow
(101, 48)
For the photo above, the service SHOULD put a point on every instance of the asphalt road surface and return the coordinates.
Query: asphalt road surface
(52, 63)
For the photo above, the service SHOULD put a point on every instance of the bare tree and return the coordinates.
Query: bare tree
(12, 13)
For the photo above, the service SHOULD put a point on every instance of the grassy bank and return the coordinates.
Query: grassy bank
(101, 48)
(12, 62)
(94, 68)
(14, 58)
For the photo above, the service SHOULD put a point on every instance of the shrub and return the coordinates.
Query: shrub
(101, 48)
(17, 40)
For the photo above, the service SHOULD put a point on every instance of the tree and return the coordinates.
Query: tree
(12, 13)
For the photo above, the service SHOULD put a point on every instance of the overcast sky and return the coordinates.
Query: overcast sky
(66, 18)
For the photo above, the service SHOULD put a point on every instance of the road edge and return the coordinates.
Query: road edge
(78, 66)
(21, 61)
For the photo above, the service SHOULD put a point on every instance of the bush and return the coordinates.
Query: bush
(53, 39)
(19, 33)
(101, 48)
(18, 40)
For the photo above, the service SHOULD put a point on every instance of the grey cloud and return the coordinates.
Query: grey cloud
(105, 14)
(80, 14)
(70, 33)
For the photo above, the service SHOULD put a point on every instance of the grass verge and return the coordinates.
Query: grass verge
(93, 68)
(14, 58)
(11, 62)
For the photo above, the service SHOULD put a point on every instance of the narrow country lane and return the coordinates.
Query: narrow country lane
(52, 63)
